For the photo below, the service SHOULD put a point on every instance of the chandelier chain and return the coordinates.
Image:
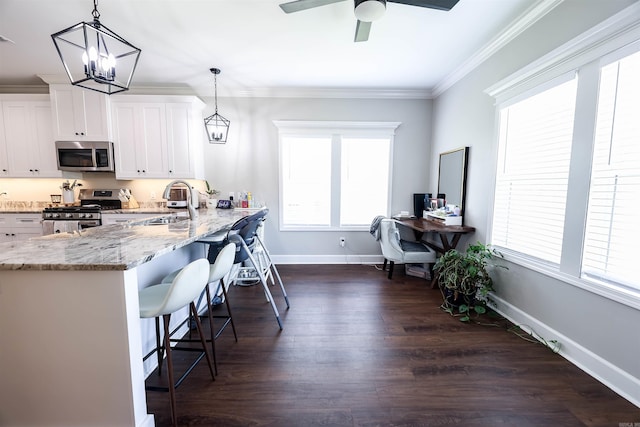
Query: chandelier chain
(215, 88)
(95, 13)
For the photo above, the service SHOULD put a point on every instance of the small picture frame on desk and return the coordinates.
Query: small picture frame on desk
(224, 204)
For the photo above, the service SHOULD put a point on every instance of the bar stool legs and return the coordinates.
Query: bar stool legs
(163, 300)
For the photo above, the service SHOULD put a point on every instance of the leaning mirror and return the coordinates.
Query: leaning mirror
(452, 176)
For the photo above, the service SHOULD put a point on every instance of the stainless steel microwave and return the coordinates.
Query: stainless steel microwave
(94, 156)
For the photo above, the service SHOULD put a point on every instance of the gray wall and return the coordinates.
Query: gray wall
(598, 334)
(249, 161)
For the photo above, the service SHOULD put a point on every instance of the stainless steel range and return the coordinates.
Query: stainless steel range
(59, 219)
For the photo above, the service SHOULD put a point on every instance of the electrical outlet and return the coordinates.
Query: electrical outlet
(152, 196)
(342, 242)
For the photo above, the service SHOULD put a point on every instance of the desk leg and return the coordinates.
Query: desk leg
(446, 245)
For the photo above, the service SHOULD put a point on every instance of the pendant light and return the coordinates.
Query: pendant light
(217, 126)
(96, 58)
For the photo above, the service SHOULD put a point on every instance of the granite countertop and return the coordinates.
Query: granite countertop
(113, 247)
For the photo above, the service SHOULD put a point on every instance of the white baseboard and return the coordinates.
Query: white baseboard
(602, 370)
(327, 259)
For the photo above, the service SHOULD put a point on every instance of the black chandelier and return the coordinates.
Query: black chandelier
(95, 57)
(217, 126)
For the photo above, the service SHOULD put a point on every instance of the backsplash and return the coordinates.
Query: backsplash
(148, 192)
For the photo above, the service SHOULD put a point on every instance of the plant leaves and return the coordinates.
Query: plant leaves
(480, 309)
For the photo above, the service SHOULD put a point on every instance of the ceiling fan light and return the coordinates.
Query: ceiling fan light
(370, 10)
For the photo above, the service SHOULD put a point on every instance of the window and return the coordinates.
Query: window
(533, 168)
(614, 194)
(334, 175)
(582, 228)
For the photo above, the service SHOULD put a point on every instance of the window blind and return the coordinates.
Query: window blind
(364, 179)
(533, 167)
(614, 196)
(306, 180)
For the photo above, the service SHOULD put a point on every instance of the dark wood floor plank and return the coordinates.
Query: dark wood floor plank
(358, 349)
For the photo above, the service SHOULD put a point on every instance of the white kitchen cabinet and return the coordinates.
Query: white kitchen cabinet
(140, 140)
(79, 114)
(19, 226)
(4, 160)
(28, 138)
(158, 137)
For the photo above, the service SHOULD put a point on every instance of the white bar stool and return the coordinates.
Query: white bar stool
(167, 298)
(217, 271)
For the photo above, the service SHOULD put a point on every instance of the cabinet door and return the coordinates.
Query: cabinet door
(180, 153)
(80, 114)
(154, 134)
(4, 160)
(29, 140)
(124, 135)
(140, 140)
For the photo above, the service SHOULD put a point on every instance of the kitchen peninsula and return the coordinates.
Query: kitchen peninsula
(71, 337)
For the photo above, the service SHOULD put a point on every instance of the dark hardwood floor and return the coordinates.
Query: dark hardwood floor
(358, 349)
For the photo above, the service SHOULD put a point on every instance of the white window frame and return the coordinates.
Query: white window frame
(335, 129)
(615, 37)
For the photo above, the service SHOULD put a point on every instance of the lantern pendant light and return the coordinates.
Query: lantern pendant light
(96, 58)
(217, 126)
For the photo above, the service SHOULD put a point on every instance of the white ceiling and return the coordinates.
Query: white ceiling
(259, 47)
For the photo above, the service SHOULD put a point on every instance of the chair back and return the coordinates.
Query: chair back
(223, 263)
(186, 287)
(242, 231)
(390, 240)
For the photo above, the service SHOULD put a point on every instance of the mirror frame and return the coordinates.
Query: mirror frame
(463, 172)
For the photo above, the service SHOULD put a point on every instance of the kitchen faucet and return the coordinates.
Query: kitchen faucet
(192, 210)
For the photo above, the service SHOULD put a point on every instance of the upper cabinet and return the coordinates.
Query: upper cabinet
(158, 136)
(27, 139)
(4, 161)
(79, 114)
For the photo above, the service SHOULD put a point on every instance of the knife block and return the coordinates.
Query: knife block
(131, 204)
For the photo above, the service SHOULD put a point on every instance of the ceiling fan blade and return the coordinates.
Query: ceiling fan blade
(298, 5)
(362, 31)
(431, 4)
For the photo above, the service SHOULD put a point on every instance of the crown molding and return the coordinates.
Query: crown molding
(348, 93)
(268, 92)
(517, 27)
(27, 89)
(616, 32)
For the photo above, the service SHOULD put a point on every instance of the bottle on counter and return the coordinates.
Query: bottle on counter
(244, 200)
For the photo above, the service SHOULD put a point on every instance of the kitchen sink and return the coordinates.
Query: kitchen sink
(165, 220)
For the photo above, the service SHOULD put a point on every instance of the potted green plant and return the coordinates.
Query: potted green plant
(211, 201)
(464, 279)
(212, 192)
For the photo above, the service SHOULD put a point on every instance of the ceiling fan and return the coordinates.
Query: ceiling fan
(367, 11)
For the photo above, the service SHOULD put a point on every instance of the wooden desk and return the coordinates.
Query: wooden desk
(449, 235)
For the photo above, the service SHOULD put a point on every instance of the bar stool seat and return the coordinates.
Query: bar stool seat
(162, 300)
